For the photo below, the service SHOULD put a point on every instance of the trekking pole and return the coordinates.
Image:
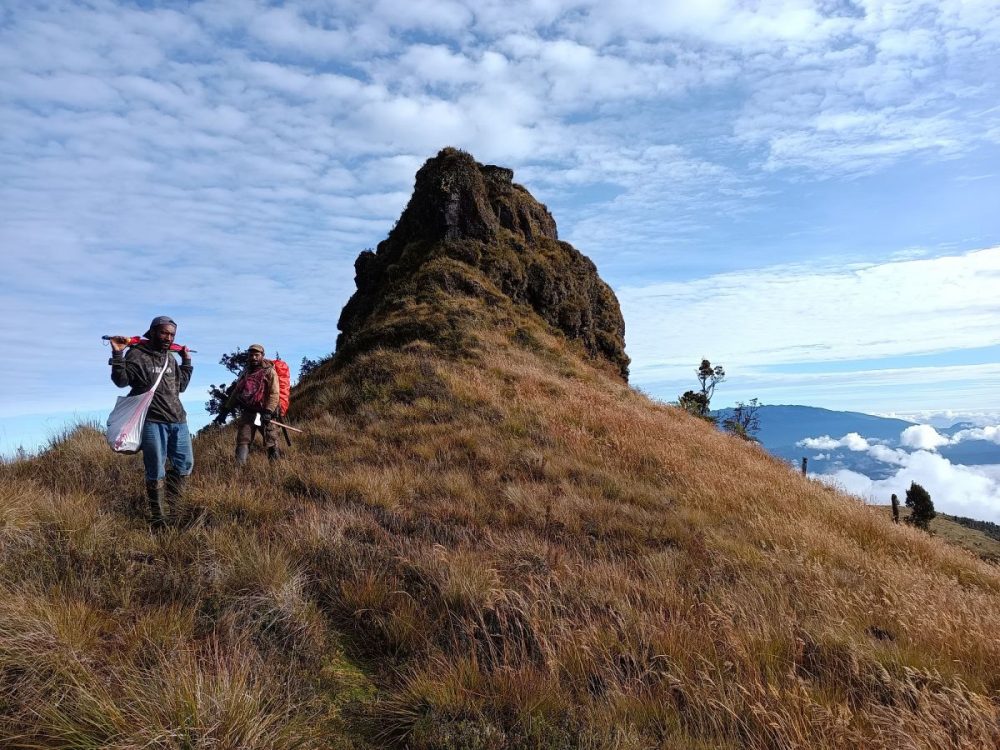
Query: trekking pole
(284, 426)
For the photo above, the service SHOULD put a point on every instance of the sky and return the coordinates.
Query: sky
(804, 191)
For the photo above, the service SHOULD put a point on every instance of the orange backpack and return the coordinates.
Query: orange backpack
(284, 384)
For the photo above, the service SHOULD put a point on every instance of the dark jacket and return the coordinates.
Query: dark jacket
(139, 367)
(272, 394)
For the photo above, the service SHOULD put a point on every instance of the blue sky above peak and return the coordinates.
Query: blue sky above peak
(804, 190)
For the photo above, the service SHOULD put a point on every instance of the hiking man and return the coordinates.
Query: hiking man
(256, 391)
(165, 433)
(895, 509)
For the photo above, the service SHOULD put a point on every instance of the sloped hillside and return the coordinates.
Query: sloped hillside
(485, 539)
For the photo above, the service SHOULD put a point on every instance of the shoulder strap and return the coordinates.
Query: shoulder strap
(166, 364)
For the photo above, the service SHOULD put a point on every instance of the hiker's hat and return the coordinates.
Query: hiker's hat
(256, 348)
(161, 320)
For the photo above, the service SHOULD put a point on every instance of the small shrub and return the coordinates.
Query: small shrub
(922, 507)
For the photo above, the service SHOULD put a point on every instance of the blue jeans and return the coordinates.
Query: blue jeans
(163, 440)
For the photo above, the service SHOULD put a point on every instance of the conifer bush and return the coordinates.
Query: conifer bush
(921, 506)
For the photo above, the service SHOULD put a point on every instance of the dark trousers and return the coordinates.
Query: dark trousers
(245, 431)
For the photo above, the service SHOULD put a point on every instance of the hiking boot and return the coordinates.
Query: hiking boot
(242, 454)
(155, 492)
(175, 490)
(273, 454)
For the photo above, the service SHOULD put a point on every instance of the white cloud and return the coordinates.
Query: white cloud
(888, 455)
(745, 26)
(879, 97)
(852, 441)
(957, 489)
(925, 437)
(823, 443)
(947, 417)
(971, 491)
(69, 89)
(284, 29)
(812, 313)
(922, 437)
(432, 15)
(436, 64)
(990, 433)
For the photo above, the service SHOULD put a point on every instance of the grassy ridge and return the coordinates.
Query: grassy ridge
(957, 531)
(509, 549)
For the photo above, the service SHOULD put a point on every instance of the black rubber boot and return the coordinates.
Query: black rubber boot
(175, 490)
(155, 494)
(242, 453)
(273, 454)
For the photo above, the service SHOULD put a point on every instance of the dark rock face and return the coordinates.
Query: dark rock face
(466, 221)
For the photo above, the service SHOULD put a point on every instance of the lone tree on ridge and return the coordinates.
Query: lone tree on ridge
(918, 500)
(699, 402)
(744, 421)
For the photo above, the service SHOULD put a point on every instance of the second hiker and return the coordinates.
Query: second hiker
(255, 392)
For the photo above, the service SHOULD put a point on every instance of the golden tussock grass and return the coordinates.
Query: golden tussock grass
(510, 549)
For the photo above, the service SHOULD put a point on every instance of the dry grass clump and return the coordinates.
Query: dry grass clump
(112, 637)
(510, 550)
(75, 678)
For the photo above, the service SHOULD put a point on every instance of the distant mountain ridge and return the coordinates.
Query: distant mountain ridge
(783, 426)
(787, 423)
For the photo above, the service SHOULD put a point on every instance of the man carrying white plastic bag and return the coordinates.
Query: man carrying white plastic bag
(127, 419)
(149, 368)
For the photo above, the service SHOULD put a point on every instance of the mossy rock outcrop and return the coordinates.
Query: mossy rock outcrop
(470, 231)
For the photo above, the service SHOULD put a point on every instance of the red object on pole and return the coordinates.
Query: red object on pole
(139, 340)
(133, 340)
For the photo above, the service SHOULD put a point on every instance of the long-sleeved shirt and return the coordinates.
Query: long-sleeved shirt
(140, 366)
(272, 391)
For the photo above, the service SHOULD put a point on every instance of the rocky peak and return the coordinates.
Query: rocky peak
(470, 229)
(455, 197)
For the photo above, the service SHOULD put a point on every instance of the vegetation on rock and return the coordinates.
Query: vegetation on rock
(470, 232)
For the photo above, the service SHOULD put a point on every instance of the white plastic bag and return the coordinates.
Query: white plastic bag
(128, 417)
